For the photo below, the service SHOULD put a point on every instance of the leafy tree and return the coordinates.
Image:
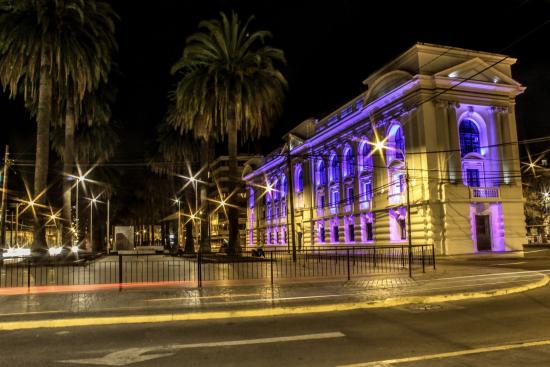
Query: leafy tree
(229, 86)
(53, 52)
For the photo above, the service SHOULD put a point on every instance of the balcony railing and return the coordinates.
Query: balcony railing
(484, 193)
(365, 205)
(397, 198)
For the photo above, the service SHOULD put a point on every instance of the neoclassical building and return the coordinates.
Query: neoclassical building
(434, 133)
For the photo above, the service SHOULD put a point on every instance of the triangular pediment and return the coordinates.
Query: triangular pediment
(477, 69)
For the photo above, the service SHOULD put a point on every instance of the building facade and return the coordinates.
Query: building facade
(433, 136)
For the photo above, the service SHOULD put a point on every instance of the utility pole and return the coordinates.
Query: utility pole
(408, 219)
(291, 198)
(3, 209)
(17, 223)
(108, 226)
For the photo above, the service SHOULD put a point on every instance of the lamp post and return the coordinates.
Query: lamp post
(192, 179)
(93, 202)
(408, 216)
(108, 225)
(92, 222)
(177, 201)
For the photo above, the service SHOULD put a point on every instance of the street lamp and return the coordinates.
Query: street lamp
(54, 217)
(93, 202)
(192, 179)
(178, 201)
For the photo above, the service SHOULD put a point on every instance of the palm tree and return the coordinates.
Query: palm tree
(53, 52)
(229, 85)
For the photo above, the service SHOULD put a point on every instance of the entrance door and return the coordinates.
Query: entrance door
(483, 233)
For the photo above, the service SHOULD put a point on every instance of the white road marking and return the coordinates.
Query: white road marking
(134, 355)
(390, 362)
(516, 263)
(532, 251)
(510, 273)
(203, 297)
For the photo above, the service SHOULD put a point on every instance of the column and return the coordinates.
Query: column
(455, 169)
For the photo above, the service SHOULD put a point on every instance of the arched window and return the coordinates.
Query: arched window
(321, 173)
(334, 169)
(469, 137)
(284, 186)
(277, 189)
(349, 162)
(251, 198)
(299, 179)
(399, 141)
(366, 157)
(396, 144)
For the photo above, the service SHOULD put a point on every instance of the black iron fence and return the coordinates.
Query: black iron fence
(272, 265)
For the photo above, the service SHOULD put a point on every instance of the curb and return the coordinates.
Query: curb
(275, 311)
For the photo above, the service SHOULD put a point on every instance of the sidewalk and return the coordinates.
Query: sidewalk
(155, 304)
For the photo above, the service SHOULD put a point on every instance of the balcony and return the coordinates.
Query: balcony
(484, 194)
(365, 205)
(397, 198)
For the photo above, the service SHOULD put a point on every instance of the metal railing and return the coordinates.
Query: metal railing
(272, 265)
(485, 192)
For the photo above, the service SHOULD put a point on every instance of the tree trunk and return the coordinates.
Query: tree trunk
(235, 181)
(68, 162)
(43, 117)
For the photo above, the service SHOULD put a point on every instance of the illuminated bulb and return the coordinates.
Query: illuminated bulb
(379, 145)
(74, 249)
(54, 251)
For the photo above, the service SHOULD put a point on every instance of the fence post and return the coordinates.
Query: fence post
(433, 256)
(120, 268)
(348, 263)
(374, 256)
(199, 269)
(28, 274)
(423, 262)
(402, 257)
(271, 265)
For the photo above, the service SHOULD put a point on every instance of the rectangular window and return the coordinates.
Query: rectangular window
(472, 177)
(351, 232)
(370, 234)
(322, 234)
(368, 190)
(349, 195)
(335, 234)
(403, 229)
(335, 198)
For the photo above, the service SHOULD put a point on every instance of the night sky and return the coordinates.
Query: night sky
(330, 48)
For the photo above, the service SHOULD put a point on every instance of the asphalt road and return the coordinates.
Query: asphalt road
(502, 331)
(493, 326)
(535, 258)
